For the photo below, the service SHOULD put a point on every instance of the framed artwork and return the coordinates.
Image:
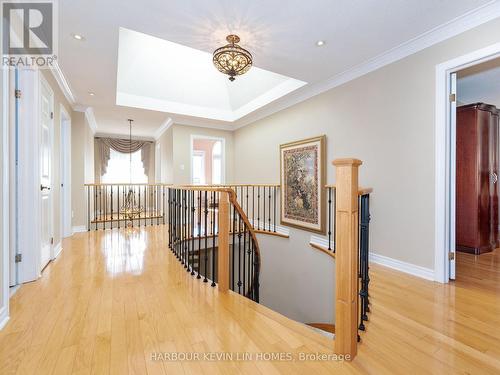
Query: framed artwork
(302, 169)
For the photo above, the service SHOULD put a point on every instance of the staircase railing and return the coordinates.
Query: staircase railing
(260, 203)
(212, 237)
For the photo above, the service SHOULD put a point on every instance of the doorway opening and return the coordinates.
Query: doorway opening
(477, 146)
(455, 144)
(207, 160)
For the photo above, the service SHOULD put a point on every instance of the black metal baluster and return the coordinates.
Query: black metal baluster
(186, 223)
(199, 235)
(334, 208)
(193, 209)
(239, 255)
(246, 252)
(163, 203)
(275, 188)
(247, 211)
(157, 204)
(233, 247)
(88, 208)
(206, 237)
(118, 204)
(214, 223)
(258, 207)
(264, 207)
(253, 206)
(269, 219)
(329, 218)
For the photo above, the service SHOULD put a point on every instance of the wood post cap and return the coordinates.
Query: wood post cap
(347, 161)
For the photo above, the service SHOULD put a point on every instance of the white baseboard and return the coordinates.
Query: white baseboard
(320, 241)
(79, 229)
(419, 271)
(57, 250)
(279, 229)
(4, 317)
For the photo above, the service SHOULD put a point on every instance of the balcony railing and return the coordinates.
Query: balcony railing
(105, 205)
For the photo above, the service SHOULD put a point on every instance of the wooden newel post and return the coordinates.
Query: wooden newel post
(346, 257)
(223, 251)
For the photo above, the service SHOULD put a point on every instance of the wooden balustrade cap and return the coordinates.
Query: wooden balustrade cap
(347, 161)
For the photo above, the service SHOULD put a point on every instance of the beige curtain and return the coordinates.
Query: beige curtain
(102, 152)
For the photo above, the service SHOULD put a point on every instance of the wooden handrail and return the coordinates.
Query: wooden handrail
(361, 190)
(127, 184)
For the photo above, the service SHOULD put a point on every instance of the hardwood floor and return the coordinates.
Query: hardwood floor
(111, 300)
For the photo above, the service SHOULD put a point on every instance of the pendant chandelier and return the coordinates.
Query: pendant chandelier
(232, 59)
(130, 209)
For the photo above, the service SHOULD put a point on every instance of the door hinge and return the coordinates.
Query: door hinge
(451, 256)
(51, 240)
(19, 258)
(17, 94)
(453, 98)
(51, 115)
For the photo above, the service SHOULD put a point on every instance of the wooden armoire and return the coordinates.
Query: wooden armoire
(477, 159)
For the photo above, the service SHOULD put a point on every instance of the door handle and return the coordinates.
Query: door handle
(42, 187)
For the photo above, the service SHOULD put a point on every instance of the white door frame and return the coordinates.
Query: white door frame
(223, 140)
(65, 172)
(444, 149)
(5, 234)
(43, 82)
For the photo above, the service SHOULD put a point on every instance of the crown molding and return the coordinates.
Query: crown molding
(89, 115)
(465, 22)
(63, 84)
(163, 128)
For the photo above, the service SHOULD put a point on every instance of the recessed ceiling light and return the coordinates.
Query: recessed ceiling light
(91, 93)
(78, 36)
(320, 43)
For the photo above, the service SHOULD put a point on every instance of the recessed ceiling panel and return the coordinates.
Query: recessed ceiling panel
(157, 74)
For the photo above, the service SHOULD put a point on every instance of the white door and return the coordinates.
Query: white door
(453, 149)
(46, 114)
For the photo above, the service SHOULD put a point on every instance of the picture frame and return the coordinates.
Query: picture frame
(302, 180)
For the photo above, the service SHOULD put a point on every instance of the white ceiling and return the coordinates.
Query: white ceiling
(154, 73)
(480, 83)
(281, 36)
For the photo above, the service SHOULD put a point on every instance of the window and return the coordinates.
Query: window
(198, 167)
(217, 163)
(120, 171)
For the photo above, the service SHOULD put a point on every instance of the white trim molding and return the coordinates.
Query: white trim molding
(444, 209)
(89, 114)
(465, 22)
(320, 241)
(57, 250)
(163, 128)
(79, 229)
(63, 84)
(4, 317)
(398, 265)
(285, 231)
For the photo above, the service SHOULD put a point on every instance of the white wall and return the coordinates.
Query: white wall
(386, 119)
(166, 155)
(82, 167)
